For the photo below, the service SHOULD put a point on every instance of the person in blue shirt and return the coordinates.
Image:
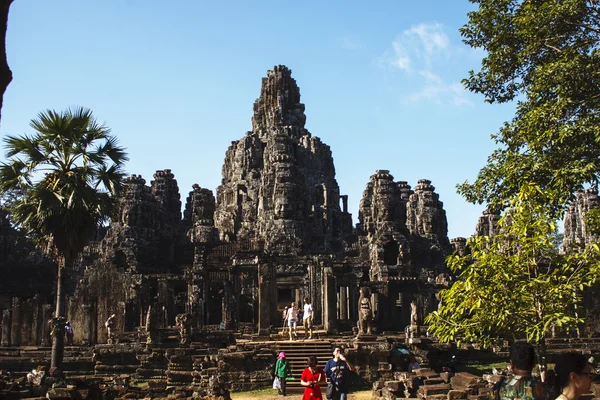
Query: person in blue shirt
(337, 370)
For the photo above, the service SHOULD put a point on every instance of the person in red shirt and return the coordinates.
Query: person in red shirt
(311, 378)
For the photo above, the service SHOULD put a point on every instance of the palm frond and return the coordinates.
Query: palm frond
(68, 172)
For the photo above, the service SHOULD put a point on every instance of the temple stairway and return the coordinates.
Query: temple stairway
(298, 351)
(78, 360)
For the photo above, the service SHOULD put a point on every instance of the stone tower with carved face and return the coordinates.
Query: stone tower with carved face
(278, 184)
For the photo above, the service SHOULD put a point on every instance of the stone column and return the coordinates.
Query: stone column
(15, 339)
(343, 304)
(88, 329)
(6, 327)
(47, 312)
(38, 321)
(266, 297)
(227, 304)
(329, 302)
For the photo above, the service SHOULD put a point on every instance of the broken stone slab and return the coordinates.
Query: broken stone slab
(465, 379)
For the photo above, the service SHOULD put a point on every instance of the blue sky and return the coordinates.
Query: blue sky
(176, 81)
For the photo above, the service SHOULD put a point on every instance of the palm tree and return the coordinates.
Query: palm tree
(68, 174)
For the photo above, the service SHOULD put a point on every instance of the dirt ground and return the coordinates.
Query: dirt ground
(364, 395)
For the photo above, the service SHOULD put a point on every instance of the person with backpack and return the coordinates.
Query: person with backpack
(520, 384)
(337, 370)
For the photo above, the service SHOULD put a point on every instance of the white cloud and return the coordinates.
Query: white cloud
(439, 92)
(424, 51)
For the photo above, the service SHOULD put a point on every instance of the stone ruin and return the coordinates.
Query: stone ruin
(185, 285)
(277, 231)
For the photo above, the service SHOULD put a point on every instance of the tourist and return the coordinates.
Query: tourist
(520, 384)
(285, 311)
(110, 326)
(307, 319)
(69, 333)
(573, 376)
(283, 369)
(311, 378)
(414, 364)
(292, 318)
(337, 370)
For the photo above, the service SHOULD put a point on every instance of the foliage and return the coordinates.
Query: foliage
(515, 284)
(545, 54)
(65, 177)
(592, 221)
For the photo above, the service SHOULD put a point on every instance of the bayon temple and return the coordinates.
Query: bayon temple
(277, 230)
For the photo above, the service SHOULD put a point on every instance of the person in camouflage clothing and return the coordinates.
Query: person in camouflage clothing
(520, 384)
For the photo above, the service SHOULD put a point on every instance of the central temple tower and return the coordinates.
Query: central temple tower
(278, 186)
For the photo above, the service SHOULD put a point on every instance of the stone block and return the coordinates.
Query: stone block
(425, 373)
(394, 386)
(465, 379)
(445, 376)
(429, 390)
(457, 394)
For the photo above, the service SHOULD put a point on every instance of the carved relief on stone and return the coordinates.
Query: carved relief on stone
(183, 322)
(365, 316)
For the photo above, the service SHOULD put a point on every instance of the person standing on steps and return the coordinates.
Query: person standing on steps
(337, 370)
(307, 319)
(69, 333)
(283, 369)
(292, 318)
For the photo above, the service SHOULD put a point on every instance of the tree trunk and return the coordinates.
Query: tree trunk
(5, 72)
(542, 360)
(60, 296)
(58, 323)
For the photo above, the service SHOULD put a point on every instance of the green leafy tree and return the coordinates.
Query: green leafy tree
(545, 55)
(515, 284)
(66, 176)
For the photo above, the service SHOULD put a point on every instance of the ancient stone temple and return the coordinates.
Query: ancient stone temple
(276, 230)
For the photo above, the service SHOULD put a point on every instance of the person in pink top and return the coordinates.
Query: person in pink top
(311, 379)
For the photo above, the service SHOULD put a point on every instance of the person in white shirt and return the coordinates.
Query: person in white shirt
(308, 317)
(292, 318)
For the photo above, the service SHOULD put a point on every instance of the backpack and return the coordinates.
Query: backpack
(517, 387)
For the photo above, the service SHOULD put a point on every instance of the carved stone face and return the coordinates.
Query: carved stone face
(283, 209)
